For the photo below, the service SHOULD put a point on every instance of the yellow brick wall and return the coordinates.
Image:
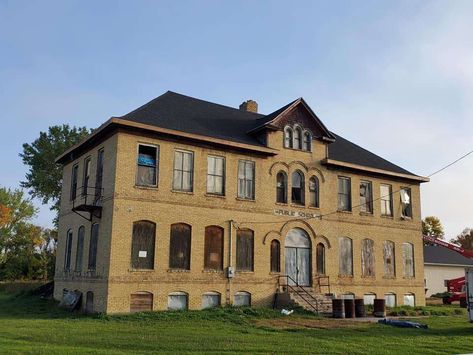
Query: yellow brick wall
(128, 203)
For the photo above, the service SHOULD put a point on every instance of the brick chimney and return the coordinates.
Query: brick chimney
(250, 106)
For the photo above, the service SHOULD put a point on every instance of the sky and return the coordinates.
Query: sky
(395, 77)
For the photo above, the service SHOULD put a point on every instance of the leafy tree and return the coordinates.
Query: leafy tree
(432, 227)
(465, 239)
(44, 177)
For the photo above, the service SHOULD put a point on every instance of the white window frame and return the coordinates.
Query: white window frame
(180, 188)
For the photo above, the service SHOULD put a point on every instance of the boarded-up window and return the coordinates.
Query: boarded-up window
(320, 250)
(183, 171)
(298, 191)
(141, 302)
(80, 248)
(68, 251)
(275, 256)
(86, 179)
(177, 301)
(390, 299)
(147, 171)
(246, 179)
(281, 187)
(210, 300)
(409, 299)
(245, 248)
(99, 175)
(213, 258)
(366, 197)
(406, 202)
(367, 257)
(369, 298)
(215, 175)
(288, 137)
(94, 239)
(241, 299)
(142, 246)
(345, 245)
(314, 191)
(389, 259)
(386, 200)
(74, 176)
(180, 247)
(408, 259)
(344, 193)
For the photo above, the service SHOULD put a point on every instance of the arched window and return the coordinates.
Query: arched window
(390, 299)
(314, 191)
(68, 251)
(94, 240)
(369, 298)
(297, 138)
(367, 257)
(142, 245)
(180, 247)
(307, 144)
(141, 301)
(408, 259)
(213, 248)
(275, 256)
(177, 301)
(320, 259)
(281, 187)
(288, 137)
(242, 298)
(297, 195)
(210, 300)
(389, 259)
(409, 299)
(245, 250)
(345, 245)
(80, 248)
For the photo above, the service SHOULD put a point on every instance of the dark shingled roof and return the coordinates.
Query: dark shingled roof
(187, 114)
(440, 255)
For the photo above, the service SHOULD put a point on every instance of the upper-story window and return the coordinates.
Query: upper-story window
(314, 192)
(297, 195)
(99, 174)
(386, 200)
(246, 179)
(288, 137)
(366, 197)
(344, 193)
(297, 138)
(74, 175)
(281, 187)
(68, 251)
(406, 203)
(183, 171)
(215, 175)
(307, 143)
(147, 172)
(93, 246)
(86, 179)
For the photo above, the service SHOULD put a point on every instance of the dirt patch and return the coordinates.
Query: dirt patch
(300, 323)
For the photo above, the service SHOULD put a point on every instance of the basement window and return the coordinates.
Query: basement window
(210, 300)
(147, 173)
(390, 299)
(409, 299)
(177, 301)
(406, 203)
(242, 299)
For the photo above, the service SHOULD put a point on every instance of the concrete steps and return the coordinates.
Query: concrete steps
(307, 298)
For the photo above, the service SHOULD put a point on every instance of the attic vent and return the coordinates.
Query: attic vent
(250, 106)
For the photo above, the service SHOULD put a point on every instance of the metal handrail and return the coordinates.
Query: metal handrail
(320, 277)
(287, 277)
(96, 195)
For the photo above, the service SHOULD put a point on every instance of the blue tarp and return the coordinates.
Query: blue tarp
(147, 160)
(402, 323)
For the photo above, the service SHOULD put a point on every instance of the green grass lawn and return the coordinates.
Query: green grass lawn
(31, 325)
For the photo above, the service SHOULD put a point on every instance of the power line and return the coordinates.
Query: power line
(359, 205)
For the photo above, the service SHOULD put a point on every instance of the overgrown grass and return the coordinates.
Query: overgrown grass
(32, 325)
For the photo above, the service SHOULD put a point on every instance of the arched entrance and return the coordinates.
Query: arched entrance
(298, 257)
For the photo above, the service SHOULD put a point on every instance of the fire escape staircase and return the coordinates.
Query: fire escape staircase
(87, 202)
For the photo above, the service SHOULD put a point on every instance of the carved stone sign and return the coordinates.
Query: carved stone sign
(296, 214)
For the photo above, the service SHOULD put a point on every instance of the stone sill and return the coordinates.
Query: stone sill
(178, 270)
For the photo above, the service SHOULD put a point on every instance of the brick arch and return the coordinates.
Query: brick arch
(305, 226)
(272, 235)
(318, 172)
(282, 166)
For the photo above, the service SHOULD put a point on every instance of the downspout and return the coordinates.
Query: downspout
(230, 271)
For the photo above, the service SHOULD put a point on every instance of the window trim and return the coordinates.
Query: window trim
(157, 147)
(297, 128)
(184, 151)
(350, 204)
(239, 194)
(74, 181)
(369, 199)
(289, 139)
(223, 176)
(99, 177)
(275, 260)
(80, 255)
(382, 199)
(188, 252)
(85, 176)
(316, 191)
(252, 266)
(284, 187)
(153, 248)
(207, 267)
(68, 250)
(302, 188)
(307, 144)
(409, 192)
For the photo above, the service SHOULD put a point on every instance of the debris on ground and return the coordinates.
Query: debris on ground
(287, 312)
(402, 323)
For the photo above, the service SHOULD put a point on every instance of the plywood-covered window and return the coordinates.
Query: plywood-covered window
(288, 137)
(147, 165)
(406, 202)
(141, 301)
(344, 193)
(215, 175)
(389, 259)
(80, 248)
(241, 299)
(297, 190)
(345, 245)
(307, 144)
(409, 299)
(366, 197)
(183, 171)
(94, 240)
(210, 300)
(408, 259)
(275, 256)
(245, 250)
(74, 177)
(180, 247)
(178, 301)
(213, 248)
(314, 192)
(386, 200)
(320, 259)
(281, 187)
(246, 179)
(390, 299)
(367, 257)
(68, 251)
(86, 179)
(143, 244)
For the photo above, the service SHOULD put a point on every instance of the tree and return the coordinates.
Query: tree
(44, 178)
(432, 227)
(465, 239)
